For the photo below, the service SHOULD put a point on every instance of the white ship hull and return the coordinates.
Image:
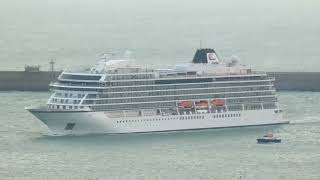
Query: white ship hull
(101, 122)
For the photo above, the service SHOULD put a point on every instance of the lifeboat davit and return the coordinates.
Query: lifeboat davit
(185, 104)
(201, 104)
(217, 102)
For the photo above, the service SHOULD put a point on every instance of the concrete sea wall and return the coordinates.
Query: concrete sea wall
(39, 81)
(26, 81)
(297, 81)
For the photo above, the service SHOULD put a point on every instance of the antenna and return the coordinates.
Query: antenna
(52, 74)
(200, 44)
(52, 65)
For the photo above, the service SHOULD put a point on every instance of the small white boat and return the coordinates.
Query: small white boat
(269, 138)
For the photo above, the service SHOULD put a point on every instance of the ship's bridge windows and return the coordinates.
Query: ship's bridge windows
(81, 77)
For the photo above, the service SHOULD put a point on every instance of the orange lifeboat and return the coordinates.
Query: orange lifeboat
(185, 104)
(217, 102)
(201, 104)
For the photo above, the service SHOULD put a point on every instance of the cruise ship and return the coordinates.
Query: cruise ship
(121, 96)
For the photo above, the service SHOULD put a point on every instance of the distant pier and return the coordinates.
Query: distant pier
(39, 80)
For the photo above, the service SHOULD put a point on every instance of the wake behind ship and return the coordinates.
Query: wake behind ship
(120, 96)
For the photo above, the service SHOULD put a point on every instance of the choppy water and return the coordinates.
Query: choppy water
(274, 35)
(27, 153)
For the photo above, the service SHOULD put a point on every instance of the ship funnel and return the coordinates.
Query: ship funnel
(206, 56)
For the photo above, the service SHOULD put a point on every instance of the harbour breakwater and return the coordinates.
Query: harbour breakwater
(296, 81)
(26, 81)
(39, 81)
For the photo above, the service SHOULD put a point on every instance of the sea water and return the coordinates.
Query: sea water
(27, 152)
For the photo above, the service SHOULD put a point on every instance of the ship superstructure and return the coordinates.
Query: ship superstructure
(120, 96)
